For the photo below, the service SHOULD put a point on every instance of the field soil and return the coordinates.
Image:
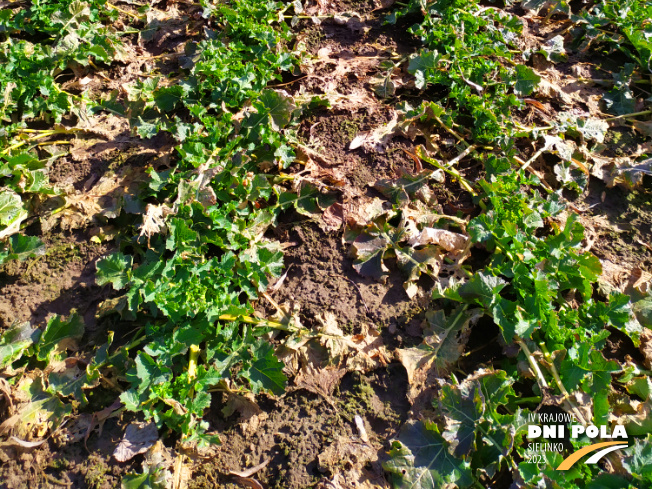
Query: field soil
(332, 428)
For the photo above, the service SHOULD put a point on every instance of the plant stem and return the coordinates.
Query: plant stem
(526, 400)
(633, 114)
(560, 384)
(454, 173)
(451, 131)
(256, 321)
(541, 380)
(126, 12)
(192, 362)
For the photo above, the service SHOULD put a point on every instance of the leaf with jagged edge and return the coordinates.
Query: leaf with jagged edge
(420, 459)
(447, 336)
(274, 107)
(463, 408)
(442, 347)
(410, 187)
(474, 427)
(266, 371)
(415, 262)
(114, 269)
(526, 81)
(638, 459)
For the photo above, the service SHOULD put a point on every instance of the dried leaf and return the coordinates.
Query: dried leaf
(320, 381)
(332, 218)
(441, 348)
(448, 240)
(351, 449)
(154, 220)
(361, 352)
(378, 139)
(646, 347)
(137, 439)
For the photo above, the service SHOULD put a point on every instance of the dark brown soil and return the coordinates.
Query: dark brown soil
(67, 465)
(296, 432)
(321, 279)
(56, 283)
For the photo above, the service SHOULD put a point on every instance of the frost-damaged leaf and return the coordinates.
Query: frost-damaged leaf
(448, 240)
(361, 352)
(631, 175)
(68, 378)
(369, 252)
(646, 344)
(154, 220)
(554, 50)
(384, 87)
(410, 187)
(15, 341)
(321, 381)
(442, 347)
(640, 423)
(526, 81)
(447, 336)
(420, 459)
(378, 139)
(39, 413)
(59, 334)
(415, 262)
(590, 128)
(137, 439)
(114, 269)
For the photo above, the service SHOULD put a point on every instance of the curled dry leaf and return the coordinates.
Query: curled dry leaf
(378, 139)
(646, 347)
(441, 348)
(333, 217)
(137, 439)
(154, 220)
(321, 381)
(448, 240)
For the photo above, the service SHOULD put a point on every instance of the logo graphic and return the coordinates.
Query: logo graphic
(552, 427)
(571, 459)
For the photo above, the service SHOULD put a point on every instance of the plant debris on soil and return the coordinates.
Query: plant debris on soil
(325, 244)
